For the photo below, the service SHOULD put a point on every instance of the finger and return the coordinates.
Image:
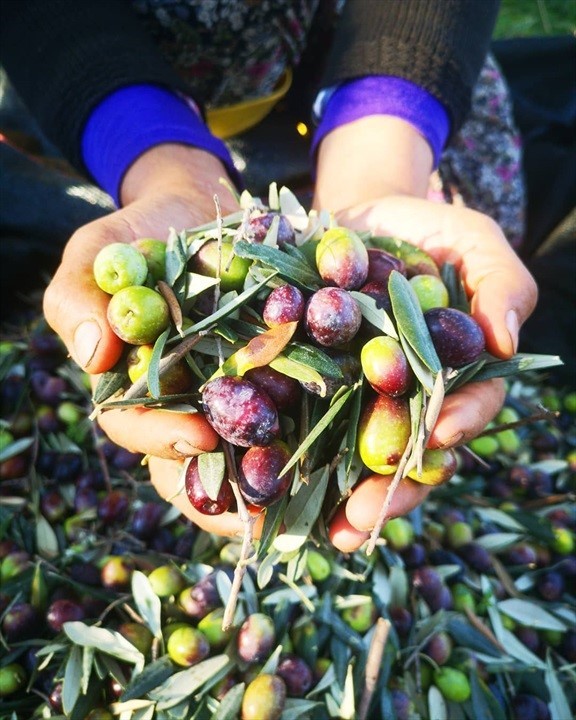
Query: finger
(363, 506)
(162, 433)
(343, 536)
(75, 307)
(165, 476)
(466, 412)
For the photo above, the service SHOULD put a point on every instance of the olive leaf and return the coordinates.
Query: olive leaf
(71, 685)
(260, 350)
(298, 371)
(559, 705)
(153, 375)
(230, 704)
(173, 305)
(147, 602)
(183, 684)
(314, 358)
(212, 470)
(456, 292)
(410, 320)
(153, 675)
(521, 362)
(290, 268)
(376, 316)
(319, 428)
(111, 382)
(196, 284)
(226, 309)
(176, 256)
(302, 512)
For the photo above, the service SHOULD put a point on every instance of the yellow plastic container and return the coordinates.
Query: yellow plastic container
(230, 120)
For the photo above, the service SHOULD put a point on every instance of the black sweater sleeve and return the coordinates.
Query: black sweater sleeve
(438, 44)
(64, 56)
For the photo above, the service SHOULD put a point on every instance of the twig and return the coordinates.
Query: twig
(373, 665)
(398, 475)
(246, 550)
(140, 386)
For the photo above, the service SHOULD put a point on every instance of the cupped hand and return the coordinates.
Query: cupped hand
(502, 295)
(171, 186)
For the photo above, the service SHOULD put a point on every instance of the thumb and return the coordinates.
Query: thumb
(75, 307)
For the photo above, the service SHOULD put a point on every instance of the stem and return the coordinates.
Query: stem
(246, 550)
(373, 664)
(138, 389)
(381, 519)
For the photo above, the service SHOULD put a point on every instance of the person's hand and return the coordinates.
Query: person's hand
(502, 295)
(374, 174)
(169, 186)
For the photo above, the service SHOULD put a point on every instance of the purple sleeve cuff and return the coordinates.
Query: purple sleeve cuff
(384, 95)
(133, 119)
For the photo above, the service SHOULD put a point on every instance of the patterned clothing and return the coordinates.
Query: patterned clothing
(234, 50)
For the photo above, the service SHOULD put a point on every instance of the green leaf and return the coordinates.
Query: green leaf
(530, 614)
(196, 284)
(183, 684)
(226, 310)
(298, 371)
(319, 428)
(521, 362)
(293, 270)
(107, 641)
(147, 602)
(72, 680)
(46, 539)
(15, 448)
(410, 320)
(559, 706)
(229, 708)
(151, 677)
(272, 522)
(212, 468)
(176, 256)
(111, 382)
(296, 709)
(302, 512)
(437, 705)
(153, 375)
(378, 317)
(314, 358)
(456, 292)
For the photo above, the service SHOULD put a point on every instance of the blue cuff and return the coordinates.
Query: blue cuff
(383, 95)
(133, 119)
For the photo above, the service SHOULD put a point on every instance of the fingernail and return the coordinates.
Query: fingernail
(86, 339)
(513, 327)
(451, 441)
(184, 448)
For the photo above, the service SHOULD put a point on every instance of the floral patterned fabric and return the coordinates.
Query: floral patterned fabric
(232, 49)
(238, 49)
(482, 165)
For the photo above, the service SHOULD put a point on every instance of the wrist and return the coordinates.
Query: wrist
(174, 168)
(369, 159)
(133, 120)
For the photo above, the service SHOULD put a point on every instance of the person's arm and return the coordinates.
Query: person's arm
(373, 172)
(439, 46)
(64, 58)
